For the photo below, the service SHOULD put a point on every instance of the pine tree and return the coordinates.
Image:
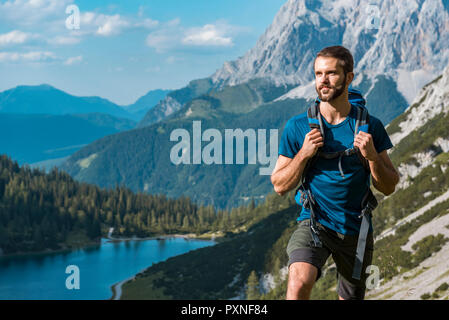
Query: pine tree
(277, 272)
(252, 287)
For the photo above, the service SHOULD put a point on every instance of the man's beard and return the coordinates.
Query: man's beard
(337, 91)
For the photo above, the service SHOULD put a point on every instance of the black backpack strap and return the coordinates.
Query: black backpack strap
(362, 124)
(369, 203)
(314, 118)
(307, 199)
(362, 121)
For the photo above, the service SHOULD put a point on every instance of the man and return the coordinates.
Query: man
(338, 197)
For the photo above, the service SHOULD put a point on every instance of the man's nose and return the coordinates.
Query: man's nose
(324, 78)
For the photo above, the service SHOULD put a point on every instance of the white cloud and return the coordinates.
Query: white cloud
(110, 25)
(13, 37)
(31, 56)
(147, 23)
(64, 40)
(32, 12)
(161, 40)
(171, 35)
(99, 24)
(87, 18)
(174, 23)
(72, 60)
(208, 35)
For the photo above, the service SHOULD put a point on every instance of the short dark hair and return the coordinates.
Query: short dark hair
(343, 55)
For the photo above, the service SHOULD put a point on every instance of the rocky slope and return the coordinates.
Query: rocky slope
(411, 226)
(382, 36)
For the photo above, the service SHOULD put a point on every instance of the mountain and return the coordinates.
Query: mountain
(141, 158)
(267, 86)
(146, 102)
(382, 36)
(38, 137)
(411, 229)
(45, 99)
(175, 100)
(385, 46)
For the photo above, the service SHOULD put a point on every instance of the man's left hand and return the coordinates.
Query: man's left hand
(364, 141)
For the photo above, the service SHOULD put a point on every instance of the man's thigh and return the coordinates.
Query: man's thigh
(300, 250)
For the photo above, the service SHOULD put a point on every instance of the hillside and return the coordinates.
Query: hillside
(220, 271)
(42, 211)
(146, 102)
(411, 227)
(140, 158)
(45, 99)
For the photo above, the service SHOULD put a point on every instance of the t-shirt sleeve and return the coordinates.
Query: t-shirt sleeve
(380, 136)
(289, 145)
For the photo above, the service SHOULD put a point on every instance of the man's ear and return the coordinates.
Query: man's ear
(349, 78)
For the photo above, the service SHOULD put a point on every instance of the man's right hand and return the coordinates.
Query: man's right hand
(312, 142)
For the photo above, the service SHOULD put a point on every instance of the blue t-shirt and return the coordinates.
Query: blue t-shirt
(338, 199)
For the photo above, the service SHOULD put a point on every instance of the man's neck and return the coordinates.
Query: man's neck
(337, 110)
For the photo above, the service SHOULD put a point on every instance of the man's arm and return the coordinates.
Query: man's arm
(385, 176)
(287, 172)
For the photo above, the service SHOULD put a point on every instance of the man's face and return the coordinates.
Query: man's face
(330, 79)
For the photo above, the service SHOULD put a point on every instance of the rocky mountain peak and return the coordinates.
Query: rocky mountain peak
(406, 40)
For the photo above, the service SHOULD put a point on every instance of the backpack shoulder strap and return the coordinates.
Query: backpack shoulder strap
(315, 122)
(314, 118)
(362, 124)
(362, 121)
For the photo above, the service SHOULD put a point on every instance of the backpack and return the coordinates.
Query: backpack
(369, 201)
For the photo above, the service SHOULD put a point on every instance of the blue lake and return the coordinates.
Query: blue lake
(43, 276)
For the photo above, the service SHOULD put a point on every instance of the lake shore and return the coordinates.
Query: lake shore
(116, 288)
(86, 245)
(90, 244)
(114, 263)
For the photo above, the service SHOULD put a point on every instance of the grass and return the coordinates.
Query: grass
(144, 289)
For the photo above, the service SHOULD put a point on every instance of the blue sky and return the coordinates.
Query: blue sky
(123, 49)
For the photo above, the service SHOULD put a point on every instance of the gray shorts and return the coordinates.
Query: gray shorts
(343, 249)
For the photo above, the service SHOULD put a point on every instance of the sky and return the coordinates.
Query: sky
(120, 50)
